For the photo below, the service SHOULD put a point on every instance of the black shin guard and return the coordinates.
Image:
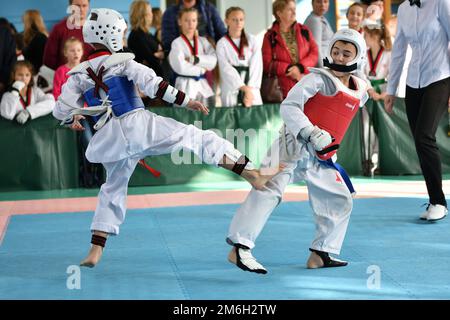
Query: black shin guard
(98, 240)
(239, 166)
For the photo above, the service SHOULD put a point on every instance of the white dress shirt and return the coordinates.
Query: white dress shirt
(427, 31)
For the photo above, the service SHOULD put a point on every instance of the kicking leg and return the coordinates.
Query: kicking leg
(242, 166)
(208, 147)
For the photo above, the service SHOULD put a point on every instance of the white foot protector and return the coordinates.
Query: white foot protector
(244, 259)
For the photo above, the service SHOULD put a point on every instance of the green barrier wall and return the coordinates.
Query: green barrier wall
(41, 155)
(397, 151)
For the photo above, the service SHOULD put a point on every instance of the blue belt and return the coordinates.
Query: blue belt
(329, 163)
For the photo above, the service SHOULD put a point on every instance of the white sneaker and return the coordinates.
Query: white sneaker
(436, 212)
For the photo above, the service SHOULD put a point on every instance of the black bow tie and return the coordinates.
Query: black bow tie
(414, 2)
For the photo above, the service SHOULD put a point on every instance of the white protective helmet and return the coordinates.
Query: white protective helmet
(352, 36)
(105, 26)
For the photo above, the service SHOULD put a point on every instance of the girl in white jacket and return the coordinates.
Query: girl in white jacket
(25, 101)
(240, 63)
(191, 56)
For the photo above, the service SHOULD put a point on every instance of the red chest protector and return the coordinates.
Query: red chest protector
(334, 113)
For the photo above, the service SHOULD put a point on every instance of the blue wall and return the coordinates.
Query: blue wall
(55, 10)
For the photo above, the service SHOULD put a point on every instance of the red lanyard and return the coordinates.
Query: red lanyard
(26, 103)
(373, 64)
(239, 50)
(193, 49)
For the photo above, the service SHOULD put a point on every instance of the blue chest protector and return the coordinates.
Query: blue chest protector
(122, 94)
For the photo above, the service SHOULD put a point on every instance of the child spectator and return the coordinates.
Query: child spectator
(378, 40)
(24, 101)
(379, 44)
(355, 16)
(73, 52)
(240, 63)
(190, 57)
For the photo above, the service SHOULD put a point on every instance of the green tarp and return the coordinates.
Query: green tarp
(41, 155)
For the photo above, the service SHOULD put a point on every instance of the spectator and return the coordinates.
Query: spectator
(7, 54)
(425, 26)
(320, 27)
(156, 23)
(73, 51)
(292, 44)
(378, 40)
(190, 57)
(240, 63)
(141, 42)
(355, 16)
(209, 22)
(5, 23)
(24, 101)
(68, 27)
(34, 38)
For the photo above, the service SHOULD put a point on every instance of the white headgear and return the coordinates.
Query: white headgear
(354, 37)
(105, 26)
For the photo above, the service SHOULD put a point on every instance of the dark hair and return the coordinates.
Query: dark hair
(5, 23)
(18, 37)
(71, 1)
(20, 64)
(346, 42)
(368, 2)
(244, 40)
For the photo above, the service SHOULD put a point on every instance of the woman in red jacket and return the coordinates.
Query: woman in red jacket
(289, 47)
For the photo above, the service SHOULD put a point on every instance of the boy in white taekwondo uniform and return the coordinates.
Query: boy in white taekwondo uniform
(126, 131)
(316, 113)
(191, 56)
(240, 63)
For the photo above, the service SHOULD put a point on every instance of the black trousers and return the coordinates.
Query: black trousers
(425, 108)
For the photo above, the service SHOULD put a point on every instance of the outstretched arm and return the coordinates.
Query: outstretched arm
(156, 87)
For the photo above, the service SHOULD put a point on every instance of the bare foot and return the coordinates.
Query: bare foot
(314, 261)
(322, 259)
(232, 256)
(93, 257)
(259, 178)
